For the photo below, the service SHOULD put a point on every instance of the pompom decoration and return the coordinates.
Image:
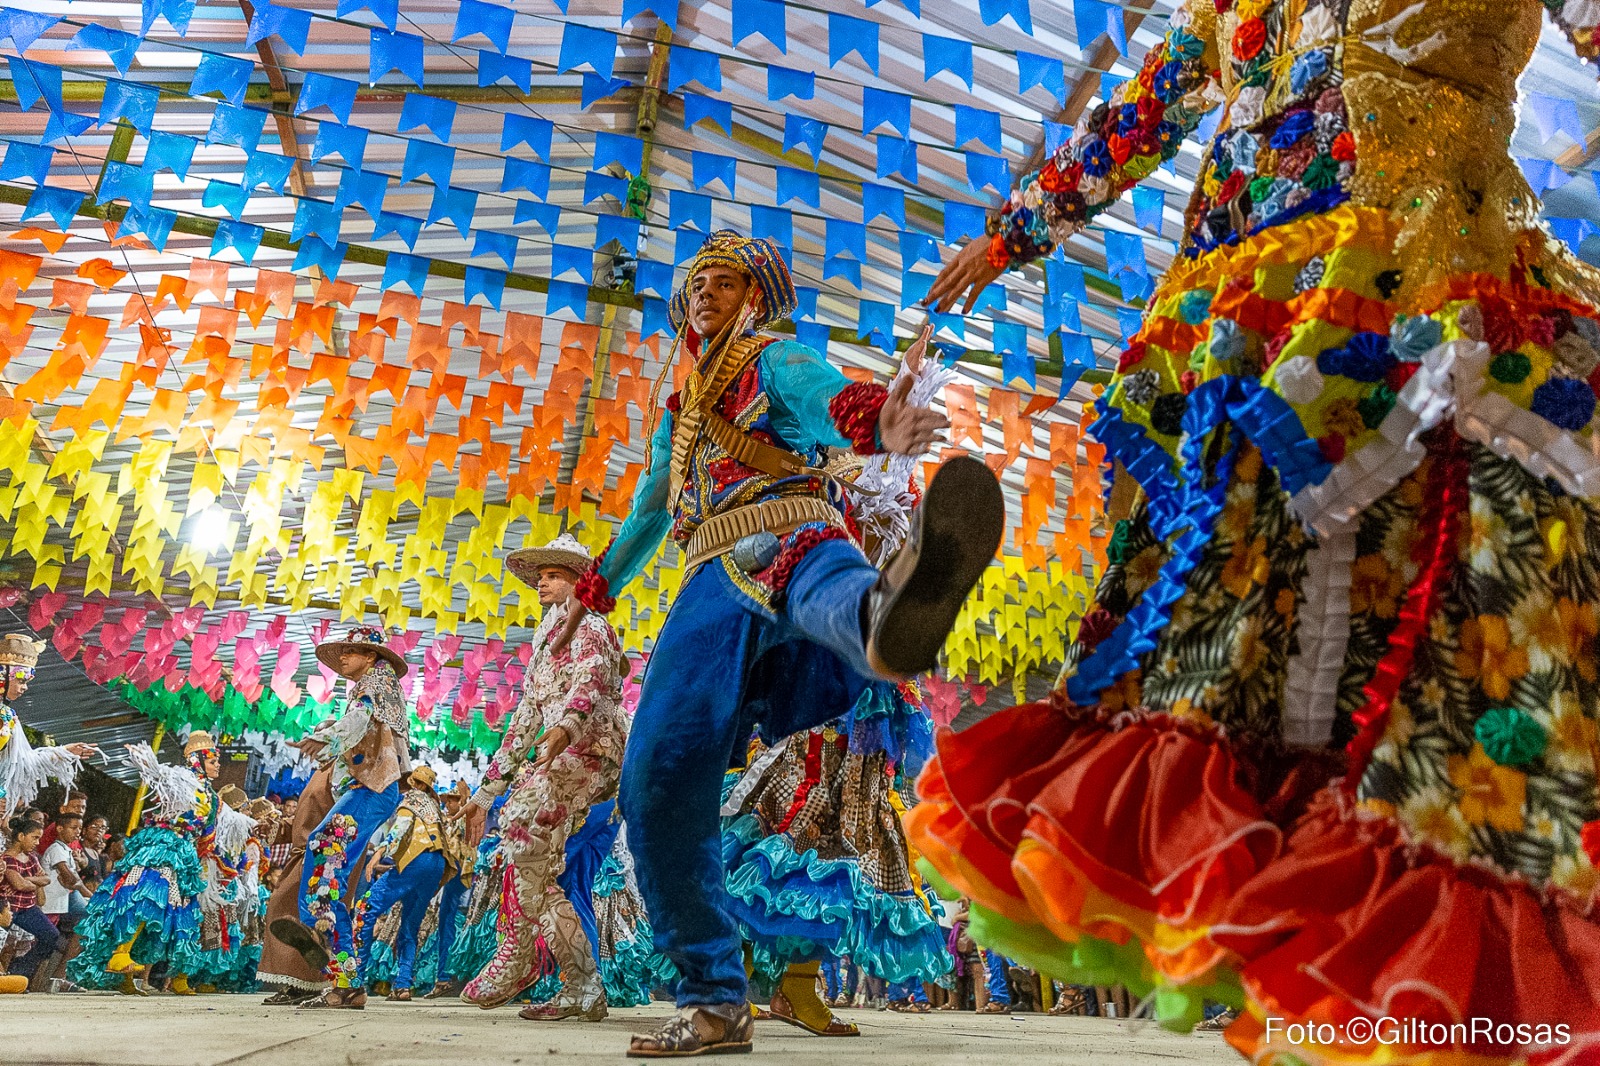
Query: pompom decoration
(795, 548)
(1511, 737)
(1412, 336)
(1365, 357)
(855, 414)
(593, 590)
(1589, 837)
(1565, 402)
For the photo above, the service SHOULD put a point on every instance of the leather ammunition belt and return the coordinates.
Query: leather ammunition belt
(718, 534)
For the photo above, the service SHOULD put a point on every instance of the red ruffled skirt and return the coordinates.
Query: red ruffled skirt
(1228, 863)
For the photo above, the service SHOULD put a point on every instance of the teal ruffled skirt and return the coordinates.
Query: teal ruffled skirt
(153, 894)
(630, 966)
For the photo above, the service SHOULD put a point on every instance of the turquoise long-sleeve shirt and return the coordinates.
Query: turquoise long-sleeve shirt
(799, 384)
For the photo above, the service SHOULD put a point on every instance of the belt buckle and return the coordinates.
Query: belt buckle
(756, 551)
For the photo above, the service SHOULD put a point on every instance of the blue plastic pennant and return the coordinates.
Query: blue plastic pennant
(1044, 71)
(846, 269)
(806, 301)
(596, 185)
(1129, 321)
(338, 95)
(1011, 338)
(315, 252)
(238, 126)
(1542, 174)
(435, 161)
(218, 73)
(1091, 18)
(409, 270)
(487, 242)
(977, 124)
(913, 6)
(1125, 254)
(169, 151)
(349, 141)
(152, 223)
(364, 187)
(25, 27)
(582, 44)
(620, 148)
(665, 10)
(492, 66)
(709, 167)
(917, 248)
(885, 200)
(565, 259)
(291, 25)
(567, 296)
(1109, 83)
(118, 45)
(119, 181)
(814, 335)
(491, 20)
(653, 278)
(802, 185)
(390, 224)
(897, 155)
(844, 238)
(526, 174)
(913, 287)
(438, 116)
(876, 325)
(880, 105)
(1056, 134)
(232, 198)
(992, 171)
(60, 204)
(956, 326)
(34, 81)
(178, 13)
(25, 160)
(264, 168)
(689, 209)
(654, 318)
(388, 11)
(388, 51)
(691, 64)
(991, 298)
(782, 82)
(595, 88)
(547, 215)
(766, 17)
(804, 132)
(697, 108)
(1064, 295)
(1077, 355)
(1555, 114)
(63, 124)
(242, 237)
(1571, 230)
(847, 34)
(946, 53)
(1149, 205)
(685, 244)
(311, 217)
(992, 11)
(619, 228)
(451, 204)
(481, 281)
(529, 130)
(773, 223)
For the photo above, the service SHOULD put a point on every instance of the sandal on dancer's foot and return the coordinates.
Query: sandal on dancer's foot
(784, 1011)
(337, 999)
(443, 990)
(954, 535)
(558, 1010)
(399, 995)
(696, 1031)
(992, 1007)
(288, 997)
(303, 942)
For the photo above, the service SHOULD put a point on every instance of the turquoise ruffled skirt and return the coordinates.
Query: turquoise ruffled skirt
(152, 894)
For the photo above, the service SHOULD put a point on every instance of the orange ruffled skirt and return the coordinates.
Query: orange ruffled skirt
(1148, 851)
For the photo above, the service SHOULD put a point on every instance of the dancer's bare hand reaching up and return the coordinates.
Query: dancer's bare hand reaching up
(968, 274)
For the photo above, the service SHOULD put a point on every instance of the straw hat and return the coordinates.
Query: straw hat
(362, 638)
(233, 796)
(19, 649)
(261, 809)
(423, 777)
(565, 551)
(199, 740)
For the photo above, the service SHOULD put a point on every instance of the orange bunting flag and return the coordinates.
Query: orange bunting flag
(102, 272)
(51, 239)
(1004, 408)
(206, 275)
(277, 289)
(521, 345)
(17, 272)
(1064, 443)
(330, 291)
(611, 420)
(252, 306)
(962, 405)
(489, 359)
(430, 348)
(72, 295)
(173, 288)
(468, 318)
(14, 331)
(590, 470)
(580, 335)
(399, 306)
(368, 346)
(311, 321)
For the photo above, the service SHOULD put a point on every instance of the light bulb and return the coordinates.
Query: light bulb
(210, 529)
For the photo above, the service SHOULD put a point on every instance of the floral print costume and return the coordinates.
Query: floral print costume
(1325, 747)
(579, 690)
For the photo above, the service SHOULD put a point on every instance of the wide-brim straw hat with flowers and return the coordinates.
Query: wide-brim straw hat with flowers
(361, 638)
(423, 777)
(199, 740)
(19, 649)
(565, 551)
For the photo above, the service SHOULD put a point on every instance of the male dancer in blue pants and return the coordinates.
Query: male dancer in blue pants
(781, 619)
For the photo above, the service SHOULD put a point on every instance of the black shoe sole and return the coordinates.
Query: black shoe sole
(303, 941)
(954, 537)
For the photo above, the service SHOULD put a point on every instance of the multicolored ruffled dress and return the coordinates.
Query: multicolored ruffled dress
(817, 859)
(149, 909)
(630, 966)
(477, 939)
(1325, 746)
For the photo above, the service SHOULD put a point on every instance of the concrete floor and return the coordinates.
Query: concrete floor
(237, 1031)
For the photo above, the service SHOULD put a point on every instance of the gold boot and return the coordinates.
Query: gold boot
(796, 1002)
(121, 960)
(179, 986)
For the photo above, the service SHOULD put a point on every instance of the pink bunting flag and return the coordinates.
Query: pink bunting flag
(468, 696)
(231, 626)
(275, 629)
(319, 632)
(68, 636)
(320, 685)
(405, 643)
(944, 700)
(43, 610)
(288, 665)
(247, 667)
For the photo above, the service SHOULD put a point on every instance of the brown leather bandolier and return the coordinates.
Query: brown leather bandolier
(700, 393)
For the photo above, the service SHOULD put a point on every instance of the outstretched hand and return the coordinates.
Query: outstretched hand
(967, 275)
(83, 751)
(903, 428)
